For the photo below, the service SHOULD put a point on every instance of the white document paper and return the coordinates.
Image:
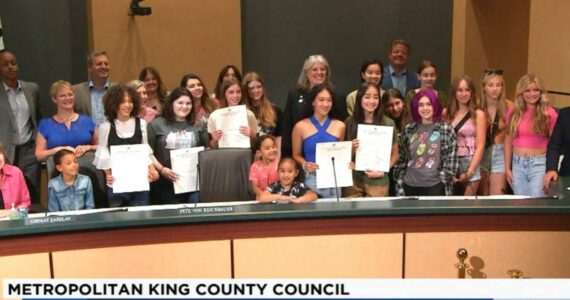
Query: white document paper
(341, 151)
(375, 147)
(185, 164)
(129, 164)
(229, 120)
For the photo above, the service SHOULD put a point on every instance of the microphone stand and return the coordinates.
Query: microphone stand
(335, 182)
(197, 185)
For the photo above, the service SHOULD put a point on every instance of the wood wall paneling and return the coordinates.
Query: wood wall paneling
(549, 42)
(333, 256)
(210, 259)
(491, 254)
(179, 37)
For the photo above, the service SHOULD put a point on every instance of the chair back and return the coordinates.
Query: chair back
(224, 175)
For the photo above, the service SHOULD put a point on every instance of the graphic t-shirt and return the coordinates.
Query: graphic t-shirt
(425, 150)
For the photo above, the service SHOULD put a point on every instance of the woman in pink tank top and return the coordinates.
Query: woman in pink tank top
(469, 124)
(530, 124)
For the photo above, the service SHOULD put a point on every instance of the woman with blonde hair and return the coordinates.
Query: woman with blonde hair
(255, 98)
(146, 113)
(530, 124)
(469, 124)
(494, 103)
(66, 129)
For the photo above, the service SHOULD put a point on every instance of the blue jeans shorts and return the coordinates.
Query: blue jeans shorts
(528, 175)
(494, 159)
(464, 162)
(311, 182)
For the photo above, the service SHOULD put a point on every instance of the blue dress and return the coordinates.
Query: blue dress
(310, 150)
(57, 134)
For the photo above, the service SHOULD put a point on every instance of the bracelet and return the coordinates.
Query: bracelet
(305, 165)
(160, 170)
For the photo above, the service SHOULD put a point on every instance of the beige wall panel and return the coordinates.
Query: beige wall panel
(491, 254)
(491, 34)
(335, 256)
(559, 101)
(24, 266)
(210, 259)
(458, 37)
(181, 36)
(549, 55)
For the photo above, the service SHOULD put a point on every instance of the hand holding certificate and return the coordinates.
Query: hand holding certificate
(341, 151)
(229, 120)
(185, 164)
(130, 168)
(374, 148)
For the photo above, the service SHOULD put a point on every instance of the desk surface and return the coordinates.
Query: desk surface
(236, 212)
(252, 211)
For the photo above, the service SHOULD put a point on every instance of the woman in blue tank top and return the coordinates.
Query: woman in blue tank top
(318, 125)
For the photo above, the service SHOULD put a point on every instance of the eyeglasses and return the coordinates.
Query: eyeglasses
(488, 72)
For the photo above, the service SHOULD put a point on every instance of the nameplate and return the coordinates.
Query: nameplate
(207, 210)
(50, 220)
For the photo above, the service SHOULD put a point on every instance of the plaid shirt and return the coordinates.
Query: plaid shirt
(448, 159)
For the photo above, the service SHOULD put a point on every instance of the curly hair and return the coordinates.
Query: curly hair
(115, 96)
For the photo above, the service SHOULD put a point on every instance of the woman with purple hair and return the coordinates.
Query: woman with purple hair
(427, 162)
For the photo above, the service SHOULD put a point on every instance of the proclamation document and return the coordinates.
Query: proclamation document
(185, 164)
(375, 147)
(341, 151)
(229, 120)
(129, 164)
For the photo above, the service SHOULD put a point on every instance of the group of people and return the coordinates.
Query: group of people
(455, 143)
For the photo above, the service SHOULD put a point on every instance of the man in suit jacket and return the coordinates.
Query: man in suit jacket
(89, 94)
(559, 144)
(20, 112)
(396, 75)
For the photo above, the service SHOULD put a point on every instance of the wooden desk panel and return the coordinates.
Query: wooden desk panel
(210, 259)
(491, 254)
(331, 256)
(24, 266)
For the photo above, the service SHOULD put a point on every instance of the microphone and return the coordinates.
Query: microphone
(197, 184)
(335, 183)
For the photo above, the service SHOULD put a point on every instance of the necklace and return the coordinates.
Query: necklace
(67, 118)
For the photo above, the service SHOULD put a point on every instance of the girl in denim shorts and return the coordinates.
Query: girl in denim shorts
(495, 105)
(469, 124)
(531, 121)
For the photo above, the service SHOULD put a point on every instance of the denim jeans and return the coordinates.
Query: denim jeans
(528, 175)
(127, 199)
(311, 182)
